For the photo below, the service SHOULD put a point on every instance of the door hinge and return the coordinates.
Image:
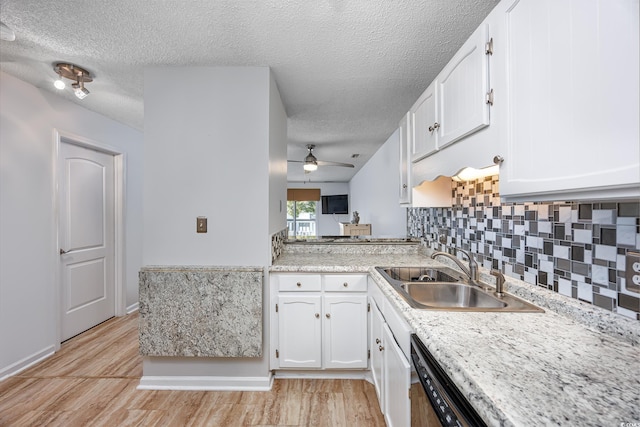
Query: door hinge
(368, 307)
(276, 308)
(368, 354)
(277, 354)
(490, 97)
(488, 47)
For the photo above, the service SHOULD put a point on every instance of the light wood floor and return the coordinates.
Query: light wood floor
(92, 381)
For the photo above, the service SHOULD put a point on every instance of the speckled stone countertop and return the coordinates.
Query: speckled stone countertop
(574, 364)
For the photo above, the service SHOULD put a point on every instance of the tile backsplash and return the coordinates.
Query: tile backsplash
(574, 248)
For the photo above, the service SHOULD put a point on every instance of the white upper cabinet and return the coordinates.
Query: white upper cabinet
(424, 124)
(455, 103)
(573, 102)
(463, 87)
(405, 163)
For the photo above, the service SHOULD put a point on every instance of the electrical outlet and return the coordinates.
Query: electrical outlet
(632, 273)
(201, 224)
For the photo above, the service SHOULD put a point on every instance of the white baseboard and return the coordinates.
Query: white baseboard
(206, 383)
(25, 363)
(133, 307)
(325, 375)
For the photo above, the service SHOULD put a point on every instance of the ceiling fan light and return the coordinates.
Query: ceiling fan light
(310, 166)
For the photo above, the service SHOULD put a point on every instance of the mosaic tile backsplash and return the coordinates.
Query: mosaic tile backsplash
(574, 248)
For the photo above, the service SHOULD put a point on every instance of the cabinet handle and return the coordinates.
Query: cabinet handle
(328, 315)
(498, 159)
(317, 315)
(380, 348)
(298, 284)
(377, 340)
(345, 284)
(435, 126)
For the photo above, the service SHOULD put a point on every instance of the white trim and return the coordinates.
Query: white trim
(27, 362)
(325, 374)
(206, 383)
(133, 307)
(119, 163)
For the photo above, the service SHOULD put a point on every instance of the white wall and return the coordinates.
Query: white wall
(215, 146)
(28, 252)
(277, 161)
(207, 154)
(327, 225)
(375, 192)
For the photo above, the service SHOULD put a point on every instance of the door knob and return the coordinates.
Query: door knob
(317, 315)
(328, 315)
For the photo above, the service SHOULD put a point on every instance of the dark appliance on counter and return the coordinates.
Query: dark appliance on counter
(435, 400)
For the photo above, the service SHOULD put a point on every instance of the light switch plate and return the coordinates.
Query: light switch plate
(632, 273)
(201, 224)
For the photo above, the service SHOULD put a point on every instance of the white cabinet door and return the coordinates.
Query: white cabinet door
(397, 383)
(424, 124)
(405, 159)
(345, 331)
(573, 84)
(462, 88)
(299, 331)
(377, 351)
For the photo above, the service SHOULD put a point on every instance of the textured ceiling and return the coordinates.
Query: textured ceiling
(347, 70)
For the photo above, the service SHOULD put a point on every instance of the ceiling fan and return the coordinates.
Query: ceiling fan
(311, 163)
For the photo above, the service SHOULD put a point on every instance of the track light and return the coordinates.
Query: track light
(79, 75)
(80, 91)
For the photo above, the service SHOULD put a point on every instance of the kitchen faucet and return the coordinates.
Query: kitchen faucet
(471, 271)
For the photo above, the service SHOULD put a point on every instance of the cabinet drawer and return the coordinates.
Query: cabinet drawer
(345, 283)
(298, 282)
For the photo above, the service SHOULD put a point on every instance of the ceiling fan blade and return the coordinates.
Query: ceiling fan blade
(295, 161)
(325, 163)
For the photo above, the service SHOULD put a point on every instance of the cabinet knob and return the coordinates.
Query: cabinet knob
(298, 284)
(328, 316)
(498, 159)
(404, 185)
(435, 126)
(345, 284)
(377, 340)
(380, 348)
(317, 315)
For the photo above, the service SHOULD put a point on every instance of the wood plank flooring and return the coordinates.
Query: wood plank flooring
(92, 381)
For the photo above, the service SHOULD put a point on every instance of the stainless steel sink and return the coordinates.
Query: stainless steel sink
(423, 274)
(445, 289)
(454, 295)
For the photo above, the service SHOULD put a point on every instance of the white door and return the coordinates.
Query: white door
(462, 87)
(345, 331)
(424, 122)
(377, 346)
(397, 382)
(299, 331)
(86, 238)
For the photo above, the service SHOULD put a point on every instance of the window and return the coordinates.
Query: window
(301, 212)
(301, 219)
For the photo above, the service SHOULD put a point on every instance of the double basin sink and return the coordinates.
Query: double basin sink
(429, 288)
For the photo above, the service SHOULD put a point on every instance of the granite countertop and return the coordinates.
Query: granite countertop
(574, 364)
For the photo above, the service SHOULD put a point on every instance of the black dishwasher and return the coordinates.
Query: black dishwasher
(435, 400)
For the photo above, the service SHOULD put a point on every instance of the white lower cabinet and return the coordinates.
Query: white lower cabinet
(320, 323)
(390, 368)
(299, 329)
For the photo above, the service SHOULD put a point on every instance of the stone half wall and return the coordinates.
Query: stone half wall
(574, 248)
(201, 311)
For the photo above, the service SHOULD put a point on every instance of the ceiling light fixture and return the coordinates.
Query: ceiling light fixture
(79, 75)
